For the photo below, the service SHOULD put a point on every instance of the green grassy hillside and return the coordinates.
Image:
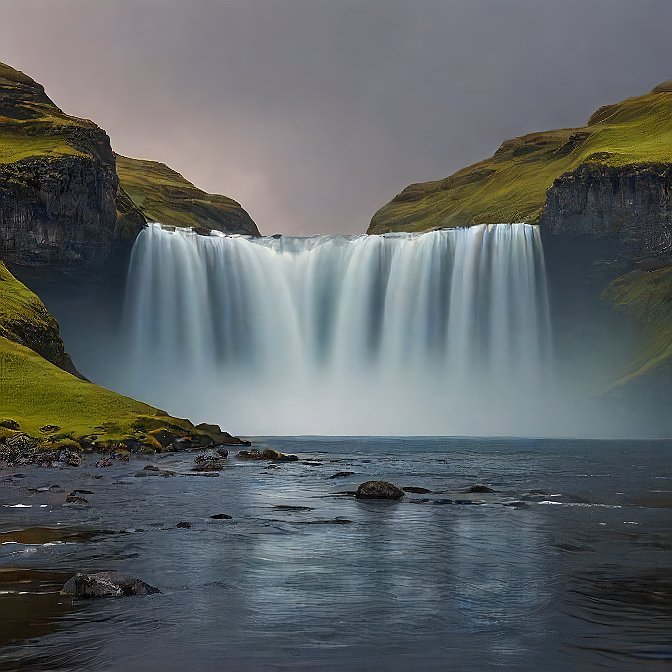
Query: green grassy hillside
(31, 125)
(647, 296)
(35, 392)
(163, 195)
(511, 185)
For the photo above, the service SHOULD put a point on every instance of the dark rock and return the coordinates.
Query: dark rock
(379, 490)
(289, 507)
(164, 436)
(183, 524)
(268, 454)
(123, 457)
(69, 456)
(415, 490)
(221, 516)
(342, 474)
(479, 489)
(105, 462)
(10, 424)
(332, 521)
(73, 499)
(77, 492)
(151, 467)
(209, 462)
(105, 584)
(221, 451)
(190, 443)
(49, 429)
(631, 204)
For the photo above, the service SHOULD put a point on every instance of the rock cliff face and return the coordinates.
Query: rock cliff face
(58, 212)
(58, 184)
(631, 204)
(64, 208)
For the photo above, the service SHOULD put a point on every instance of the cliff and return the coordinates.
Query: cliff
(557, 177)
(602, 195)
(63, 205)
(630, 204)
(57, 182)
(163, 195)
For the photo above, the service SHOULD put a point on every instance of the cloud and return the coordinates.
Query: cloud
(314, 113)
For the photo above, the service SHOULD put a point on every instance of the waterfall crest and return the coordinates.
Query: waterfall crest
(445, 332)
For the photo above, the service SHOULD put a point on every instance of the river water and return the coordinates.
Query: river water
(575, 576)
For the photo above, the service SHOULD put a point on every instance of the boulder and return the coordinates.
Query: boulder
(105, 584)
(221, 516)
(379, 490)
(342, 474)
(479, 488)
(184, 524)
(268, 454)
(209, 462)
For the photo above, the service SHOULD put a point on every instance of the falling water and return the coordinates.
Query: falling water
(445, 332)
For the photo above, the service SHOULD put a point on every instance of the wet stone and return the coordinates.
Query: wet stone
(379, 490)
(105, 584)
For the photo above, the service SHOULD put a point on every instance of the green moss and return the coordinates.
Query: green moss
(511, 185)
(37, 393)
(163, 195)
(647, 296)
(23, 317)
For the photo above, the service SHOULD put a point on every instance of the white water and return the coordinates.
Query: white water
(444, 333)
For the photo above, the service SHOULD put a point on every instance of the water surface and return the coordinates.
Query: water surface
(575, 576)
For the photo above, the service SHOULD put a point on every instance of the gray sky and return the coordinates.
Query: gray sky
(314, 113)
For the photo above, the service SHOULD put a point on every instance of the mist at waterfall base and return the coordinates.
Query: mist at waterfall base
(441, 333)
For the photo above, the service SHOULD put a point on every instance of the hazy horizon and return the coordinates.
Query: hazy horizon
(314, 114)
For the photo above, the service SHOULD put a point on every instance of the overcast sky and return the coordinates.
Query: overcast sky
(314, 113)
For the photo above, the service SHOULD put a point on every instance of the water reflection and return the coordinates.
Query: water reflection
(402, 586)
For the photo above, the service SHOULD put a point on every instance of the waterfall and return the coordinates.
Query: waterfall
(445, 332)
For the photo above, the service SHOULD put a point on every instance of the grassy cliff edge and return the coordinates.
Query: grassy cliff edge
(511, 185)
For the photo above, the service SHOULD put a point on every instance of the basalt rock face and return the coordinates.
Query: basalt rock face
(58, 186)
(629, 204)
(59, 213)
(69, 207)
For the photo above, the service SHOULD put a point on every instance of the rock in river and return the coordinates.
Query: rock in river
(105, 584)
(379, 490)
(268, 454)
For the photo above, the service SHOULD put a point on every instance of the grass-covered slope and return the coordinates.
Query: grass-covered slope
(163, 195)
(647, 296)
(31, 125)
(39, 142)
(37, 389)
(511, 185)
(24, 319)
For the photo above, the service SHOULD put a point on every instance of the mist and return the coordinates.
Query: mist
(448, 333)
